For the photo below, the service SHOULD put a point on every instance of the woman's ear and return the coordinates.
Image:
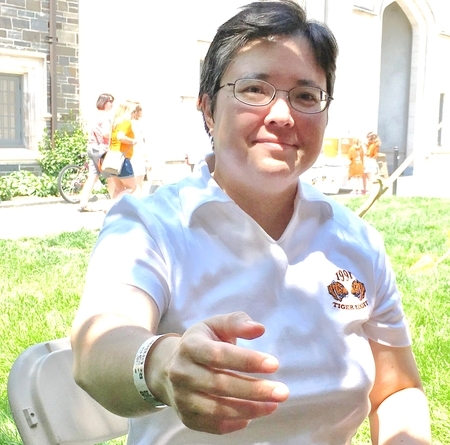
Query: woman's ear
(205, 105)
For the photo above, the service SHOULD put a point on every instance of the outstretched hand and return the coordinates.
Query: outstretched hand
(209, 384)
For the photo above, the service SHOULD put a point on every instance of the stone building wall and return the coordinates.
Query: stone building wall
(25, 33)
(24, 25)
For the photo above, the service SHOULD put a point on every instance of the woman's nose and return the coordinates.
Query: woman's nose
(280, 110)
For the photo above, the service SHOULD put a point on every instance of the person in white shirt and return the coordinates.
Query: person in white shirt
(98, 141)
(241, 305)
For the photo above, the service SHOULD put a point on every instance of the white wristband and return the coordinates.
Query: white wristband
(139, 373)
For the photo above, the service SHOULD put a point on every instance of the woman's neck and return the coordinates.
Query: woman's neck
(272, 211)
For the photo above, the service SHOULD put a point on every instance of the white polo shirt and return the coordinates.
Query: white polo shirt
(321, 291)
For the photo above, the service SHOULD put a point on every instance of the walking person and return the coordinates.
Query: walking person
(98, 141)
(123, 139)
(244, 306)
(139, 160)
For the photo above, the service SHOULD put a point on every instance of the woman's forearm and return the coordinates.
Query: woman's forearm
(104, 351)
(402, 418)
(124, 139)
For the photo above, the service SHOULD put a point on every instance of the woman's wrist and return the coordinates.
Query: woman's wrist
(146, 374)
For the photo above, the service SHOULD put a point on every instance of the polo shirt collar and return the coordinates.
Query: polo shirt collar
(200, 188)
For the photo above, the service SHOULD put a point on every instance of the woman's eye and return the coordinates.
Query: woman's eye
(306, 97)
(254, 89)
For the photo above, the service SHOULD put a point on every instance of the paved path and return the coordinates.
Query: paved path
(29, 217)
(46, 218)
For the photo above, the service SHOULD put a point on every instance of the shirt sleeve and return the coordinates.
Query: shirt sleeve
(126, 253)
(387, 324)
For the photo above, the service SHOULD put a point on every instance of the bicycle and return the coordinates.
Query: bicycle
(71, 180)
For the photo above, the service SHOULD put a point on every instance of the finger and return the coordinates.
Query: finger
(241, 386)
(188, 376)
(229, 327)
(220, 415)
(225, 329)
(201, 349)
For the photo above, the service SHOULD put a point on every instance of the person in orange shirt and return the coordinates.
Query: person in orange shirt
(356, 167)
(370, 159)
(123, 139)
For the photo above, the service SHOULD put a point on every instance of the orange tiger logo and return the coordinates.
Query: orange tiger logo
(337, 290)
(358, 289)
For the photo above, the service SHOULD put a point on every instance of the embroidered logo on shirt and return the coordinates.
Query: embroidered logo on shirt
(344, 285)
(337, 290)
(358, 289)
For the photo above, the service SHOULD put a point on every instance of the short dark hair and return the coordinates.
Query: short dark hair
(259, 20)
(103, 99)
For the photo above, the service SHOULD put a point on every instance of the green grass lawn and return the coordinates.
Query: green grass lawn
(42, 280)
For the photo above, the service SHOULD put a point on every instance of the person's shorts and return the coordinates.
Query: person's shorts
(127, 170)
(93, 166)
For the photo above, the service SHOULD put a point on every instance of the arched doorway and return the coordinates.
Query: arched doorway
(395, 80)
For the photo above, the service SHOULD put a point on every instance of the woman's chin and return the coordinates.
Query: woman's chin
(280, 167)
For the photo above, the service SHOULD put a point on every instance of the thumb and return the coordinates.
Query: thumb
(230, 327)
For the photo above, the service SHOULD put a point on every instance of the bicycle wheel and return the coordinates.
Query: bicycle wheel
(70, 182)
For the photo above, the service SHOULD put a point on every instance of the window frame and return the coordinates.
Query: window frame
(11, 111)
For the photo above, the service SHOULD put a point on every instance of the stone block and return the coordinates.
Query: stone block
(15, 35)
(19, 3)
(39, 25)
(33, 5)
(5, 23)
(22, 43)
(21, 23)
(32, 36)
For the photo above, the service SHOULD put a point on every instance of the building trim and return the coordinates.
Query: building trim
(32, 67)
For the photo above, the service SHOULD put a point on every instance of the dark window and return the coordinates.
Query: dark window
(11, 122)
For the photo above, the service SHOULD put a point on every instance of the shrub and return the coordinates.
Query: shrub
(46, 186)
(70, 148)
(25, 183)
(5, 190)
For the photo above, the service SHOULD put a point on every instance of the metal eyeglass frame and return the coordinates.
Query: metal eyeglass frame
(275, 90)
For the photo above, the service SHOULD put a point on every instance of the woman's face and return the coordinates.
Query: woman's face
(268, 146)
(108, 105)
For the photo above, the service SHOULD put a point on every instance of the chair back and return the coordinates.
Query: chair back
(49, 408)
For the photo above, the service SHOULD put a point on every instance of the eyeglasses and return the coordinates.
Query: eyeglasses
(259, 93)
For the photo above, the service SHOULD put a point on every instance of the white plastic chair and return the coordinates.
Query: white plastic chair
(49, 408)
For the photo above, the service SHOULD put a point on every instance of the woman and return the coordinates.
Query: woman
(370, 159)
(356, 167)
(248, 307)
(98, 141)
(122, 138)
(139, 158)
